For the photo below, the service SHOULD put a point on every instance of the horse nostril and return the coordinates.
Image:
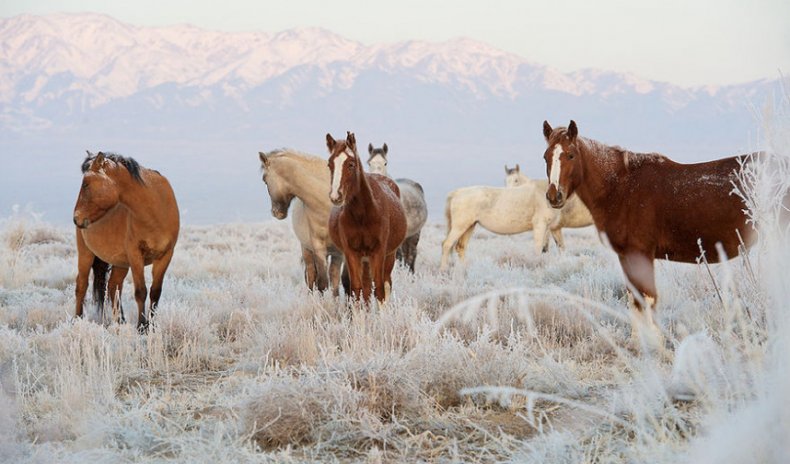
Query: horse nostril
(75, 220)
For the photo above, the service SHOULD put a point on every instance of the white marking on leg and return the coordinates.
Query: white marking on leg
(387, 291)
(554, 174)
(337, 176)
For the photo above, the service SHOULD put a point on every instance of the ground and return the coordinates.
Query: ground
(512, 356)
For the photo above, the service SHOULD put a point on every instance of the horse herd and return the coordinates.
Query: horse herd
(645, 205)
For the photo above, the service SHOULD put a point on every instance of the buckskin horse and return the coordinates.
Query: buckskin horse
(126, 218)
(649, 207)
(301, 180)
(367, 221)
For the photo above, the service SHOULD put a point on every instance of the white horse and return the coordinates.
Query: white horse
(301, 179)
(509, 210)
(412, 198)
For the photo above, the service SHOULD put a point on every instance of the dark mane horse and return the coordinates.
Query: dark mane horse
(367, 222)
(126, 218)
(649, 206)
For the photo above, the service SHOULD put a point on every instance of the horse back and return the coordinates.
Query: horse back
(672, 208)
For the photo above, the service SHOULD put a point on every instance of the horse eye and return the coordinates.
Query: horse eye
(570, 155)
(84, 185)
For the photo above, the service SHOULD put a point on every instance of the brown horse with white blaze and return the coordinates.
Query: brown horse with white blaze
(367, 221)
(649, 206)
(127, 218)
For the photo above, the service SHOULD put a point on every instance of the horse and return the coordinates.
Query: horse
(514, 177)
(300, 179)
(367, 221)
(126, 218)
(506, 211)
(573, 215)
(649, 207)
(412, 198)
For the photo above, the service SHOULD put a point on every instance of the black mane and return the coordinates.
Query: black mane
(129, 163)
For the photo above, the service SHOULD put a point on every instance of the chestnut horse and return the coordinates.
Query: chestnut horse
(126, 218)
(367, 222)
(649, 207)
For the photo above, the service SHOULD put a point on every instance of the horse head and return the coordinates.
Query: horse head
(279, 190)
(563, 166)
(344, 168)
(378, 159)
(513, 176)
(99, 192)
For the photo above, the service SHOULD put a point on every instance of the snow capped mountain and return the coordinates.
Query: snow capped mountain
(57, 70)
(46, 58)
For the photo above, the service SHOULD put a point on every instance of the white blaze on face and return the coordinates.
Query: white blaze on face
(554, 174)
(337, 176)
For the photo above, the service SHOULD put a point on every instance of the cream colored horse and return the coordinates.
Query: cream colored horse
(412, 199)
(510, 210)
(301, 179)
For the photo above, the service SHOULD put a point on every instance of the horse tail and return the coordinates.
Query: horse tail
(447, 206)
(100, 271)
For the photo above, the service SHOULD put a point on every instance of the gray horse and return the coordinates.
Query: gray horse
(413, 199)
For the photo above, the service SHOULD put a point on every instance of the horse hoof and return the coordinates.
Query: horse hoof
(142, 327)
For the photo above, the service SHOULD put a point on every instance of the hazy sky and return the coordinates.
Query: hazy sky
(686, 42)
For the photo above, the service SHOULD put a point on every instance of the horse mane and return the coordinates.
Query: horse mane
(129, 163)
(290, 153)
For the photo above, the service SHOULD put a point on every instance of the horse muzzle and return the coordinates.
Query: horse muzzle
(81, 224)
(555, 197)
(279, 214)
(337, 200)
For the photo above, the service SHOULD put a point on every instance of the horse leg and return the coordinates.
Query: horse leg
(137, 267)
(84, 262)
(335, 267)
(556, 234)
(455, 232)
(377, 270)
(345, 279)
(321, 269)
(355, 269)
(115, 286)
(308, 258)
(460, 246)
(158, 276)
(367, 279)
(407, 252)
(540, 237)
(640, 275)
(389, 264)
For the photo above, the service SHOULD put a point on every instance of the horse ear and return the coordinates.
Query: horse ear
(507, 171)
(573, 131)
(264, 158)
(351, 141)
(385, 148)
(370, 148)
(518, 169)
(546, 130)
(330, 142)
(98, 162)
